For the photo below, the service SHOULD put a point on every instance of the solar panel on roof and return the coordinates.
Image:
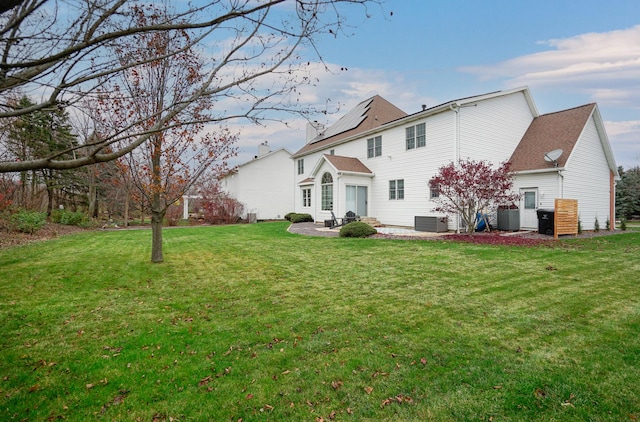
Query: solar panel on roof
(347, 122)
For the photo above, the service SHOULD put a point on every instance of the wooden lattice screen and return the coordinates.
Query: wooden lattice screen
(565, 219)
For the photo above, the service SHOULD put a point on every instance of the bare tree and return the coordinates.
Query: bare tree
(61, 51)
(164, 168)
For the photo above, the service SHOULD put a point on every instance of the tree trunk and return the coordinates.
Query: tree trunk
(156, 234)
(126, 208)
(92, 195)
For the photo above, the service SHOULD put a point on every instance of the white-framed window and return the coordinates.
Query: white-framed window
(435, 193)
(306, 197)
(301, 166)
(374, 147)
(396, 189)
(416, 136)
(327, 192)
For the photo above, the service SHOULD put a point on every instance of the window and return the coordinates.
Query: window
(301, 166)
(416, 136)
(327, 192)
(374, 147)
(421, 135)
(332, 152)
(435, 193)
(396, 189)
(411, 137)
(306, 197)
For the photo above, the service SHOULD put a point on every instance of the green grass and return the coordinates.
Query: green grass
(250, 322)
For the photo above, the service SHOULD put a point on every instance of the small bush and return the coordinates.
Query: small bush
(300, 218)
(69, 218)
(579, 226)
(357, 229)
(623, 224)
(607, 224)
(596, 225)
(288, 216)
(74, 218)
(28, 221)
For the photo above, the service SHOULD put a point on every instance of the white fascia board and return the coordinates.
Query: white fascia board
(539, 171)
(355, 173)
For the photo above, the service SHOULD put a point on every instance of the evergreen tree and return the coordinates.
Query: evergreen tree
(628, 193)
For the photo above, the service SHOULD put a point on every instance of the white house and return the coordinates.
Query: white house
(376, 160)
(264, 184)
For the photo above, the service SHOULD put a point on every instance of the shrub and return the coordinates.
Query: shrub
(28, 221)
(623, 224)
(596, 225)
(69, 218)
(300, 218)
(579, 226)
(357, 229)
(607, 224)
(288, 215)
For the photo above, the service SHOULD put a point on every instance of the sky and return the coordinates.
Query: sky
(413, 52)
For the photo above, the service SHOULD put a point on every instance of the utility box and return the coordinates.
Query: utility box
(509, 219)
(431, 224)
(545, 221)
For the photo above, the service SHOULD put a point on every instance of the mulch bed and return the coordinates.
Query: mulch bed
(49, 231)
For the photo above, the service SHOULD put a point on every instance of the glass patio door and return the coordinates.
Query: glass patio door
(356, 200)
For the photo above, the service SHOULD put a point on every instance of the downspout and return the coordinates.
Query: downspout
(336, 198)
(455, 107)
(561, 184)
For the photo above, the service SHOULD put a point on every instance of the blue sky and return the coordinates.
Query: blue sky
(417, 52)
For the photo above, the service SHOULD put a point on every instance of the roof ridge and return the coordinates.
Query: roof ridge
(568, 109)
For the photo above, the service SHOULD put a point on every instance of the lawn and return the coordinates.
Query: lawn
(252, 323)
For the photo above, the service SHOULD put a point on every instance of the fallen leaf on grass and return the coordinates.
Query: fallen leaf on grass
(369, 390)
(423, 361)
(204, 381)
(336, 384)
(400, 399)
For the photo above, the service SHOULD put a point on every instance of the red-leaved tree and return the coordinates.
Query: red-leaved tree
(218, 207)
(470, 187)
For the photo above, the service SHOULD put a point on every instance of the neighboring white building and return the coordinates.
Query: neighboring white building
(264, 184)
(376, 160)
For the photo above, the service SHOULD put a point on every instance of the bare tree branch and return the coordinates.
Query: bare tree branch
(61, 51)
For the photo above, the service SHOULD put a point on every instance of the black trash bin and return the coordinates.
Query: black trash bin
(545, 221)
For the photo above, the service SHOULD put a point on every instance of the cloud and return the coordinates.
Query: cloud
(604, 65)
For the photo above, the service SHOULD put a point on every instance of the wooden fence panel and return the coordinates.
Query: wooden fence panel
(565, 217)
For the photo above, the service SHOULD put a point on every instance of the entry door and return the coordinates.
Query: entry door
(529, 205)
(356, 200)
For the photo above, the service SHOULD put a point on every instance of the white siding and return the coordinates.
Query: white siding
(548, 185)
(492, 129)
(264, 185)
(587, 178)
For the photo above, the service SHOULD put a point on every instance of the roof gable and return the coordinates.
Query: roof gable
(367, 115)
(342, 164)
(560, 130)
